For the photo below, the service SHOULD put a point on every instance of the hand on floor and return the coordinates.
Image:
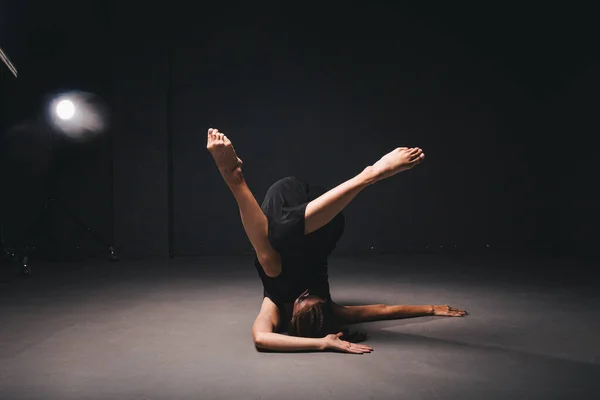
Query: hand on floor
(447, 311)
(335, 343)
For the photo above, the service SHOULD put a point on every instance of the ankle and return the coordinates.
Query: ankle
(235, 182)
(369, 176)
(233, 178)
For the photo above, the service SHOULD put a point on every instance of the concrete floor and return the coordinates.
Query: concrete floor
(181, 330)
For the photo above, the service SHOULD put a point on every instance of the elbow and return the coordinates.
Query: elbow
(260, 342)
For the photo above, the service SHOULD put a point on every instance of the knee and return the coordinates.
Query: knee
(271, 263)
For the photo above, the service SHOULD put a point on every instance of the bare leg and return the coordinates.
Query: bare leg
(323, 209)
(253, 219)
(318, 212)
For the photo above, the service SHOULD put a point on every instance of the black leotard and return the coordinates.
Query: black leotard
(304, 257)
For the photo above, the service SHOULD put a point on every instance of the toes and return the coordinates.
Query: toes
(215, 139)
(213, 134)
(417, 160)
(415, 155)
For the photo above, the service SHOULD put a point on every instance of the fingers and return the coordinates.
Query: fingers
(358, 349)
(457, 311)
(350, 345)
(363, 347)
(453, 312)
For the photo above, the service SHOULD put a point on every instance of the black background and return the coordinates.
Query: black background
(501, 99)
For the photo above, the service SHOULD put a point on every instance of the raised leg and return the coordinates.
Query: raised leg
(323, 209)
(318, 212)
(253, 219)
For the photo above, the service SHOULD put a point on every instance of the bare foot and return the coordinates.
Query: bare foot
(227, 161)
(398, 160)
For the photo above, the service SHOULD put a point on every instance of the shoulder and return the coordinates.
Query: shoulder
(269, 310)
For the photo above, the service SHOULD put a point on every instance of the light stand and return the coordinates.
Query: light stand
(52, 205)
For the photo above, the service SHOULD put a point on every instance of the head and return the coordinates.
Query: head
(312, 317)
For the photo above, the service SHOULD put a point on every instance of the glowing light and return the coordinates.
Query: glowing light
(65, 109)
(78, 115)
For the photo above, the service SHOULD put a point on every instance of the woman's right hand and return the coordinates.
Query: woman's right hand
(335, 343)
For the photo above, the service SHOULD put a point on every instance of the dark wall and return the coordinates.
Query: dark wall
(320, 97)
(567, 195)
(324, 103)
(55, 49)
(139, 79)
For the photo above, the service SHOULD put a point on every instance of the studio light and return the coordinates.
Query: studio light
(65, 109)
(78, 115)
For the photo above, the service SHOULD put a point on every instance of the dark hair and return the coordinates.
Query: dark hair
(313, 321)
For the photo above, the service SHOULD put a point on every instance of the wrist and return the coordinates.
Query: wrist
(431, 310)
(323, 344)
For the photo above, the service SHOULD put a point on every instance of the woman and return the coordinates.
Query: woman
(293, 234)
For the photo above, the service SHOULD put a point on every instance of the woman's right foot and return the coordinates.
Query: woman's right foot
(227, 161)
(398, 160)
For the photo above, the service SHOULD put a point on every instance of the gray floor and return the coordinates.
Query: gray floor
(181, 330)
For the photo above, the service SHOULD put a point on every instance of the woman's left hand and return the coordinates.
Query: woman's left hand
(447, 311)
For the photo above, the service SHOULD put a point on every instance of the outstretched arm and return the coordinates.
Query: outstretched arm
(265, 338)
(379, 312)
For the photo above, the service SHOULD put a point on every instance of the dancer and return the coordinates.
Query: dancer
(293, 233)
